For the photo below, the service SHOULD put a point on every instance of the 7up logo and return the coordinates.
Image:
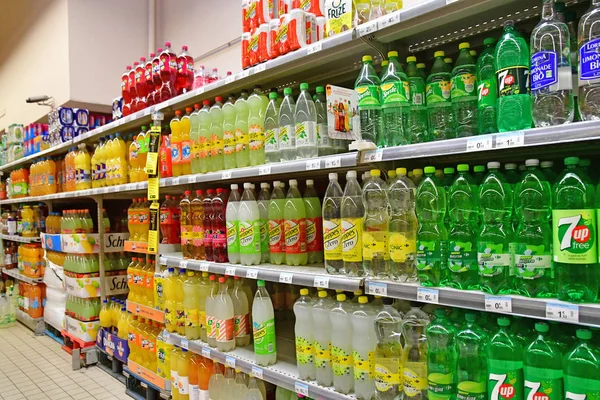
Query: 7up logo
(574, 234)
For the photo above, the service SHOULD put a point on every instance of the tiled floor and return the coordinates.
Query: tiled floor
(35, 367)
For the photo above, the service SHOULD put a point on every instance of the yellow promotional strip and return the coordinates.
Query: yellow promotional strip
(154, 226)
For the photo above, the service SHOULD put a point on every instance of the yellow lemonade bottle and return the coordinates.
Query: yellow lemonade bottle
(143, 144)
(132, 296)
(105, 315)
(170, 311)
(186, 144)
(109, 151)
(176, 141)
(179, 302)
(132, 340)
(121, 167)
(159, 288)
(102, 162)
(133, 155)
(163, 356)
(153, 345)
(148, 332)
(83, 179)
(191, 291)
(203, 292)
(123, 325)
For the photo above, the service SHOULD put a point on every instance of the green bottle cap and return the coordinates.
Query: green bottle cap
(448, 170)
(320, 89)
(489, 41)
(503, 321)
(448, 60)
(411, 59)
(273, 96)
(385, 63)
(421, 65)
(287, 91)
(479, 168)
(462, 167)
(583, 334)
(260, 282)
(430, 170)
(542, 327)
(304, 86)
(571, 160)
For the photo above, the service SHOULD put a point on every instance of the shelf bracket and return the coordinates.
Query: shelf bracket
(372, 42)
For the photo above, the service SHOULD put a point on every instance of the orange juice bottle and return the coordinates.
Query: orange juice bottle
(144, 220)
(130, 284)
(176, 142)
(70, 170)
(194, 370)
(51, 175)
(131, 220)
(186, 144)
(35, 302)
(83, 169)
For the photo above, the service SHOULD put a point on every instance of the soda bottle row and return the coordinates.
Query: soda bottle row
(76, 221)
(140, 280)
(83, 309)
(138, 220)
(43, 177)
(31, 299)
(33, 220)
(109, 164)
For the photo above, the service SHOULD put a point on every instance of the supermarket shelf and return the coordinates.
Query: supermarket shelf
(149, 378)
(548, 309)
(142, 247)
(18, 276)
(61, 148)
(35, 324)
(21, 239)
(146, 312)
(312, 276)
(283, 374)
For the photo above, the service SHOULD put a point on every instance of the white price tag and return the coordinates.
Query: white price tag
(510, 139)
(245, 73)
(390, 19)
(264, 170)
(206, 352)
(314, 48)
(286, 277)
(104, 190)
(192, 179)
(377, 288)
(257, 372)
(301, 388)
(313, 164)
(230, 271)
(366, 28)
(260, 68)
(229, 79)
(185, 344)
(479, 143)
(226, 175)
(562, 311)
(498, 304)
(163, 260)
(230, 361)
(183, 264)
(204, 267)
(166, 335)
(428, 295)
(141, 185)
(175, 181)
(333, 162)
(252, 274)
(321, 282)
(372, 156)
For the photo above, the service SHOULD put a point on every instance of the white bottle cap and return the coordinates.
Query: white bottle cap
(264, 185)
(532, 162)
(351, 174)
(251, 186)
(547, 164)
(282, 185)
(333, 176)
(293, 182)
(510, 166)
(310, 182)
(234, 186)
(276, 183)
(247, 185)
(493, 164)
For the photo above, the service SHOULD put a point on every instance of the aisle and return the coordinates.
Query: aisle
(35, 367)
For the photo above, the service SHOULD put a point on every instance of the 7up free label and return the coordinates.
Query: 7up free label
(574, 236)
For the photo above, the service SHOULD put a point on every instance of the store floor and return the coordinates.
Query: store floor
(35, 367)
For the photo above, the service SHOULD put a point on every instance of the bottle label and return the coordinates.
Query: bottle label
(191, 318)
(175, 153)
(395, 92)
(417, 91)
(257, 137)
(216, 146)
(304, 350)
(532, 262)
(401, 247)
(341, 361)
(271, 136)
(589, 60)
(505, 384)
(375, 245)
(487, 93)
(322, 355)
(264, 236)
(287, 138)
(180, 317)
(441, 386)
(463, 85)
(352, 239)
(228, 143)
(461, 256)
(203, 147)
(363, 368)
(368, 95)
(210, 326)
(183, 383)
(415, 381)
(574, 236)
(431, 252)
(241, 325)
(314, 236)
(186, 151)
(577, 388)
(438, 91)
(276, 237)
(387, 373)
(513, 81)
(295, 236)
(323, 136)
(249, 237)
(491, 259)
(470, 390)
(544, 70)
(332, 231)
(543, 383)
(223, 329)
(306, 134)
(241, 141)
(264, 337)
(233, 245)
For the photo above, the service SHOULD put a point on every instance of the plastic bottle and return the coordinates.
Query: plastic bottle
(322, 338)
(204, 143)
(219, 227)
(511, 60)
(581, 368)
(364, 342)
(388, 353)
(242, 148)
(352, 213)
(263, 323)
(375, 227)
(165, 156)
(168, 72)
(341, 346)
(185, 223)
(287, 127)
(191, 298)
(232, 223)
(417, 120)
(208, 224)
(263, 212)
(332, 226)
(83, 172)
(432, 234)
(367, 87)
(197, 222)
(210, 311)
(505, 364)
(303, 331)
(487, 88)
(229, 114)
(228, 385)
(589, 85)
(254, 392)
(249, 228)
(305, 117)
(494, 243)
(186, 144)
(574, 235)
(542, 366)
(324, 143)
(276, 218)
(439, 105)
(463, 201)
(224, 318)
(257, 105)
(295, 227)
(185, 71)
(395, 107)
(271, 126)
(216, 382)
(216, 135)
(241, 319)
(179, 297)
(176, 143)
(314, 224)
(414, 353)
(464, 93)
(472, 362)
(442, 357)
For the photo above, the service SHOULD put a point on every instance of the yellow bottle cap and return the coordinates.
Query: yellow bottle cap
(421, 65)
(401, 171)
(322, 294)
(303, 292)
(375, 172)
(363, 300)
(439, 53)
(464, 45)
(367, 58)
(392, 54)
(341, 297)
(411, 59)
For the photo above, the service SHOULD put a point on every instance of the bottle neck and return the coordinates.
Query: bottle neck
(548, 12)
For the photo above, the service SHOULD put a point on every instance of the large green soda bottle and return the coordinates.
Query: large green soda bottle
(533, 251)
(295, 227)
(464, 219)
(442, 358)
(314, 224)
(487, 88)
(367, 87)
(395, 107)
(494, 240)
(464, 93)
(439, 105)
(574, 235)
(432, 235)
(472, 361)
(505, 364)
(542, 364)
(582, 369)
(417, 120)
(276, 224)
(512, 71)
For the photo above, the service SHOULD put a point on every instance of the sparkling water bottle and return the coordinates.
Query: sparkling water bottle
(395, 92)
(369, 105)
(464, 93)
(589, 63)
(417, 121)
(439, 105)
(305, 116)
(324, 142)
(287, 128)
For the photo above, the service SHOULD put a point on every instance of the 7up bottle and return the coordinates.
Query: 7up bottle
(543, 361)
(574, 235)
(505, 364)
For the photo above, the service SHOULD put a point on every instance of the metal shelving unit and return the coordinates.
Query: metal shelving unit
(20, 277)
(35, 324)
(20, 239)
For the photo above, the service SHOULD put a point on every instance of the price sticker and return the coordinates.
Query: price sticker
(175, 181)
(205, 352)
(185, 344)
(479, 143)
(229, 79)
(301, 388)
(226, 175)
(183, 264)
(230, 271)
(264, 170)
(252, 274)
(260, 68)
(333, 162)
(286, 277)
(166, 335)
(510, 139)
(321, 282)
(313, 164)
(562, 312)
(498, 304)
(314, 48)
(390, 19)
(245, 73)
(230, 361)
(377, 288)
(204, 266)
(257, 372)
(366, 28)
(153, 188)
(372, 156)
(192, 179)
(163, 260)
(428, 295)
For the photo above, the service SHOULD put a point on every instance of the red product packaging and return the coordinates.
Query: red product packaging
(252, 15)
(253, 48)
(297, 29)
(283, 37)
(321, 28)
(245, 55)
(245, 16)
(316, 8)
(263, 34)
(305, 5)
(284, 7)
(273, 43)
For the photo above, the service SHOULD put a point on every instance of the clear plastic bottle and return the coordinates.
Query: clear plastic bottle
(305, 116)
(589, 68)
(395, 107)
(241, 318)
(303, 331)
(439, 105)
(314, 224)
(295, 227)
(263, 322)
(417, 122)
(224, 318)
(287, 127)
(322, 338)
(551, 83)
(375, 227)
(341, 346)
(257, 105)
(242, 148)
(249, 228)
(276, 219)
(464, 93)
(271, 126)
(324, 143)
(364, 342)
(414, 354)
(263, 212)
(388, 353)
(232, 224)
(332, 226)
(210, 311)
(369, 106)
(352, 214)
(229, 114)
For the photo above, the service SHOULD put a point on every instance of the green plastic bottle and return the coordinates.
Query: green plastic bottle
(229, 161)
(534, 275)
(276, 224)
(487, 88)
(295, 227)
(384, 67)
(442, 358)
(464, 219)
(464, 93)
(574, 235)
(542, 366)
(367, 87)
(314, 223)
(439, 105)
(472, 362)
(582, 369)
(242, 141)
(422, 70)
(216, 135)
(505, 364)
(395, 107)
(417, 120)
(494, 240)
(478, 174)
(432, 235)
(257, 106)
